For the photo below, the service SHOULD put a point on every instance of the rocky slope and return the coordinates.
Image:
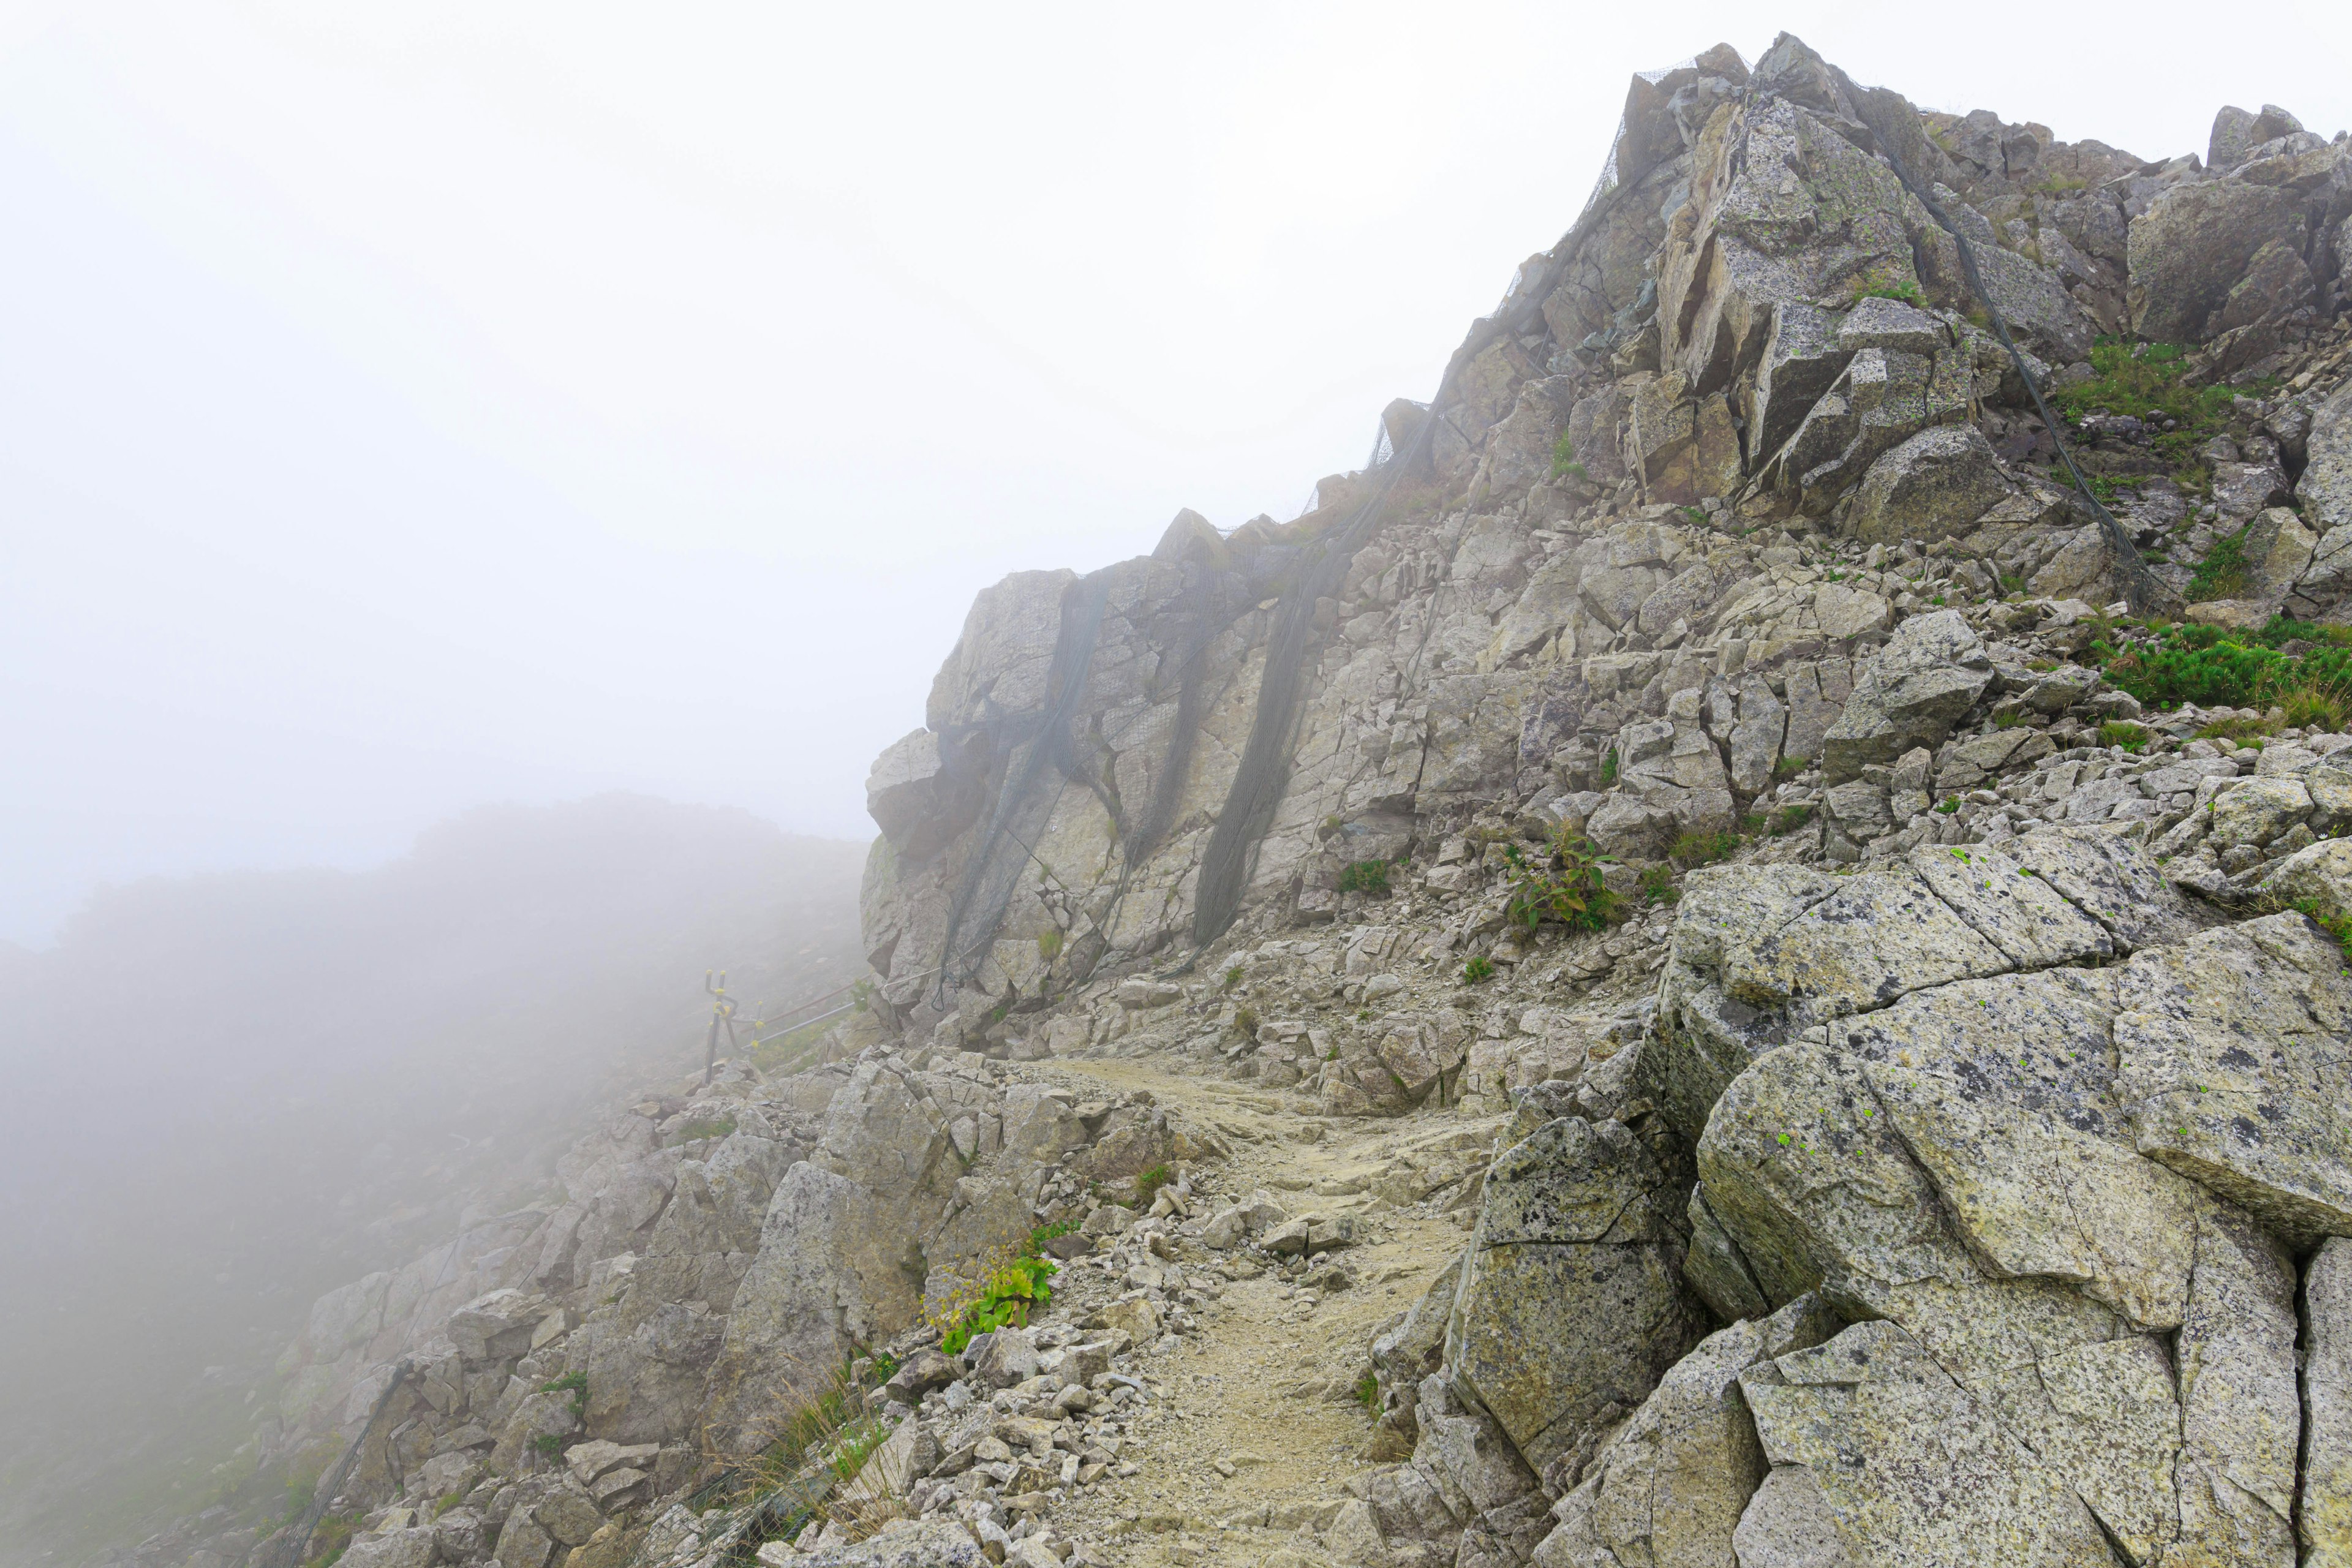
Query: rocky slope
(1921, 1136)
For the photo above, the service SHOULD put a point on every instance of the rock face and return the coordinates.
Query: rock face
(1758, 326)
(1671, 809)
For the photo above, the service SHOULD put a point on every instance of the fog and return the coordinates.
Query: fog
(406, 406)
(478, 485)
(235, 1092)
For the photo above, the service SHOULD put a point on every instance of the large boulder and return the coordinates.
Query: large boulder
(1931, 487)
(1572, 1302)
(2193, 245)
(1929, 674)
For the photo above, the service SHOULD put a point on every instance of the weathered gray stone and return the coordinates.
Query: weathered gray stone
(2325, 487)
(1909, 1468)
(1928, 675)
(2325, 1516)
(1670, 1487)
(2232, 1069)
(2321, 874)
(1932, 486)
(1756, 737)
(411, 1548)
(933, 1541)
(2192, 246)
(2004, 1091)
(1571, 1298)
(1876, 323)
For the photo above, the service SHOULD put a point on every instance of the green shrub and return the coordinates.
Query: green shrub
(1152, 1181)
(1658, 886)
(1695, 849)
(1233, 977)
(2215, 669)
(1563, 884)
(1367, 1393)
(2121, 732)
(1366, 877)
(1609, 769)
(548, 1443)
(1948, 804)
(1478, 968)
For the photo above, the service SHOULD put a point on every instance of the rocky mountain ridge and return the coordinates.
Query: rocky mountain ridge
(1855, 935)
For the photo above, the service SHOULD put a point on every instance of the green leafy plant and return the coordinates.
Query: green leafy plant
(1366, 877)
(1150, 1182)
(1658, 886)
(1696, 848)
(548, 1443)
(1367, 1393)
(1476, 968)
(1233, 977)
(1563, 459)
(1948, 804)
(1609, 769)
(1562, 883)
(1006, 1294)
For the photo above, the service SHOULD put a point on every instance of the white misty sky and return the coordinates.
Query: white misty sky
(405, 406)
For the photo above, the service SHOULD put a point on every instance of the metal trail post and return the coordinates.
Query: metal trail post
(722, 1014)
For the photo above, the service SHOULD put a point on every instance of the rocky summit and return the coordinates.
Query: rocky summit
(1712, 964)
